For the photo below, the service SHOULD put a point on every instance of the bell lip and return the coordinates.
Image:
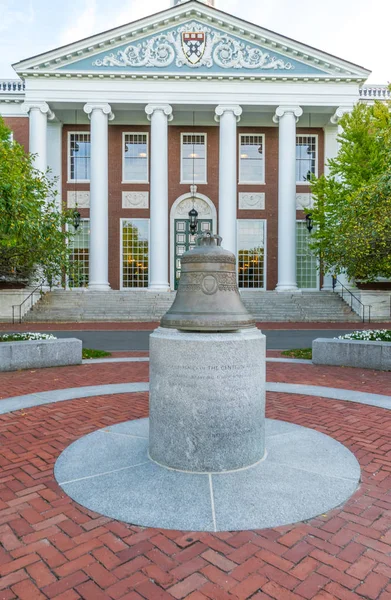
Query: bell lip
(182, 325)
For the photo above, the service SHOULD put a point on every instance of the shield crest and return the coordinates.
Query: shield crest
(193, 46)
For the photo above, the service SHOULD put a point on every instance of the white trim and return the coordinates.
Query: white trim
(121, 285)
(316, 136)
(172, 231)
(317, 288)
(123, 157)
(263, 136)
(190, 181)
(69, 180)
(264, 288)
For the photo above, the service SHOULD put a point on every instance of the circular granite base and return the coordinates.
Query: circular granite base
(305, 473)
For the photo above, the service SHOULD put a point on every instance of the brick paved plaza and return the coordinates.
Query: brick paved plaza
(53, 548)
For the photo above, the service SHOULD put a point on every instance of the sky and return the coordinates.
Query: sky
(355, 30)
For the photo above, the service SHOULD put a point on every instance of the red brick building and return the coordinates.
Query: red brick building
(190, 107)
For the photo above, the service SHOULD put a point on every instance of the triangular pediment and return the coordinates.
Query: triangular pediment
(191, 40)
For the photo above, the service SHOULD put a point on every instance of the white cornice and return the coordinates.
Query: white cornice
(176, 76)
(60, 57)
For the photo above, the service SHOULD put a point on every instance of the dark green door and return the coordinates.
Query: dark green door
(184, 241)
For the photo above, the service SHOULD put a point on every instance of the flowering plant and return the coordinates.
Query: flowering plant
(370, 335)
(25, 336)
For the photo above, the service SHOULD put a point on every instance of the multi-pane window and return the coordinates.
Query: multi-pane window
(306, 158)
(135, 165)
(251, 253)
(79, 156)
(252, 159)
(135, 253)
(79, 255)
(193, 158)
(306, 263)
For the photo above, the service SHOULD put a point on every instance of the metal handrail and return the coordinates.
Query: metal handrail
(31, 297)
(336, 283)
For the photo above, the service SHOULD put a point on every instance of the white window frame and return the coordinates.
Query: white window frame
(317, 288)
(89, 255)
(316, 136)
(204, 181)
(134, 289)
(124, 133)
(69, 180)
(260, 182)
(264, 288)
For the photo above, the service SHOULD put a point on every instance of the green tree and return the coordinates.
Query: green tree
(352, 212)
(32, 226)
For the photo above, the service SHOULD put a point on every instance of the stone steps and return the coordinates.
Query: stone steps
(65, 305)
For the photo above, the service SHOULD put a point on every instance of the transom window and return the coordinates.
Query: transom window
(251, 253)
(252, 158)
(79, 156)
(193, 158)
(135, 253)
(306, 158)
(79, 255)
(135, 157)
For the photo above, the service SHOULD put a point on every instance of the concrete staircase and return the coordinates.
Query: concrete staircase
(84, 306)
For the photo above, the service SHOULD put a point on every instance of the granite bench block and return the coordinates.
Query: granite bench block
(352, 353)
(32, 354)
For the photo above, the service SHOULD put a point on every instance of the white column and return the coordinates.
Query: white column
(39, 114)
(54, 156)
(287, 117)
(159, 115)
(228, 116)
(99, 113)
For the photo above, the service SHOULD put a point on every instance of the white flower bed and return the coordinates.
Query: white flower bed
(25, 337)
(370, 335)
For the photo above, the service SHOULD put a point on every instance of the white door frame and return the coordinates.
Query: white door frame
(179, 210)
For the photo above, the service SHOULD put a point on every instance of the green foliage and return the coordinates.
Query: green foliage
(352, 213)
(32, 226)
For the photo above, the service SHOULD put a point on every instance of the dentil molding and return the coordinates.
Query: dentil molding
(251, 201)
(135, 199)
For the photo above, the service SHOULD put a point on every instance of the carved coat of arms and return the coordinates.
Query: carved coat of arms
(193, 45)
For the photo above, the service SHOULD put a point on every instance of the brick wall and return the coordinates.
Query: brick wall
(20, 128)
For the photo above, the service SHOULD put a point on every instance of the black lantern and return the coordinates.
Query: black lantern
(193, 214)
(309, 223)
(76, 219)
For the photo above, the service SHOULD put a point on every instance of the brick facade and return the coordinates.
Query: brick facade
(20, 127)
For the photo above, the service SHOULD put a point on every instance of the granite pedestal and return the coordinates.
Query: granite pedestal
(207, 399)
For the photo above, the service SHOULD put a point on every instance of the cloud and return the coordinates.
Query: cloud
(12, 16)
(83, 27)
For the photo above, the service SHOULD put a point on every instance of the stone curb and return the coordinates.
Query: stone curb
(14, 403)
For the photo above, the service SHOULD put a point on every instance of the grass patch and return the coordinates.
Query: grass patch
(88, 353)
(305, 353)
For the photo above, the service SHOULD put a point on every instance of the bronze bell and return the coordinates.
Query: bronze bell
(208, 298)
